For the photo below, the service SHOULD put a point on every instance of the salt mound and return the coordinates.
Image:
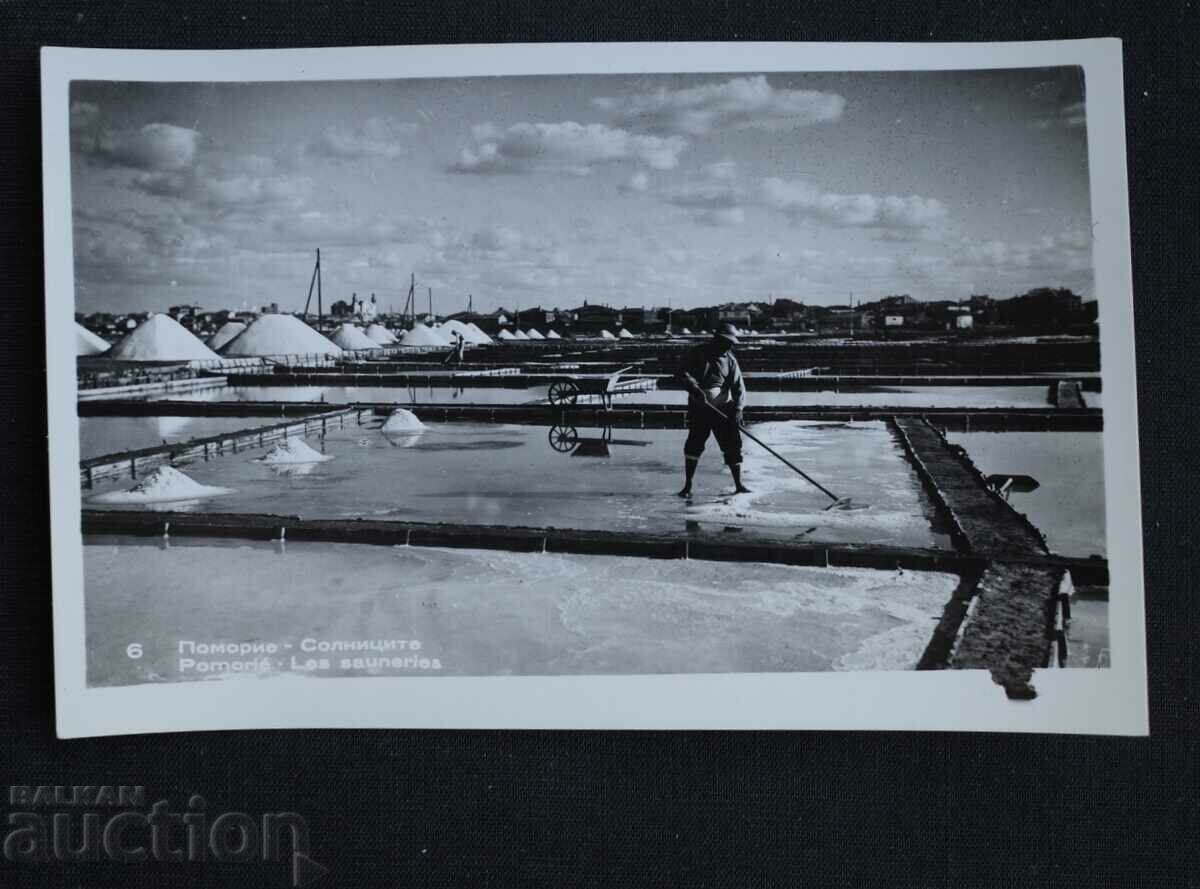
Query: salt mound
(534, 334)
(625, 334)
(293, 450)
(519, 334)
(161, 338)
(604, 334)
(87, 343)
(352, 339)
(686, 332)
(552, 335)
(279, 335)
(481, 338)
(162, 485)
(421, 335)
(506, 335)
(381, 335)
(402, 420)
(224, 334)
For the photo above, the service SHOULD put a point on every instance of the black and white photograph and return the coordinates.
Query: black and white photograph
(678, 373)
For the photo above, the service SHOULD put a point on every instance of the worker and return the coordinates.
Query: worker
(455, 355)
(713, 379)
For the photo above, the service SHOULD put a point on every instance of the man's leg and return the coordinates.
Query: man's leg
(698, 428)
(729, 437)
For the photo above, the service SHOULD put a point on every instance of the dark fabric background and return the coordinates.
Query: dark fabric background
(500, 809)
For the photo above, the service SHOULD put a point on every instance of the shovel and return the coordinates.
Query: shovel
(839, 503)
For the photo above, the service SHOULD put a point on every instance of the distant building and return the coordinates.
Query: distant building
(893, 320)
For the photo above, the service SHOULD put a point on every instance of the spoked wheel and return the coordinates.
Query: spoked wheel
(563, 392)
(563, 438)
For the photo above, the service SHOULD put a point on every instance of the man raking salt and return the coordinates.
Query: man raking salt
(713, 379)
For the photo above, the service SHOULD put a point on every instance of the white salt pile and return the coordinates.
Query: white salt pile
(481, 338)
(87, 343)
(352, 339)
(224, 334)
(604, 334)
(402, 420)
(161, 338)
(686, 332)
(421, 335)
(534, 334)
(162, 485)
(553, 335)
(381, 335)
(625, 334)
(293, 450)
(506, 335)
(279, 335)
(519, 334)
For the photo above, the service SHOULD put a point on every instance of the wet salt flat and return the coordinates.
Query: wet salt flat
(109, 435)
(491, 613)
(625, 480)
(346, 394)
(1068, 507)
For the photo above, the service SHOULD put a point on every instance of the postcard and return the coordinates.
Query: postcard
(615, 386)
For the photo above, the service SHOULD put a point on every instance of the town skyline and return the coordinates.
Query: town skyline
(652, 190)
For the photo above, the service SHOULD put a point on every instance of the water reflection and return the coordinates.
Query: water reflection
(567, 440)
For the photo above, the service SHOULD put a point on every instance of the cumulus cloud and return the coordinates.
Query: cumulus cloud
(899, 215)
(382, 137)
(567, 147)
(154, 147)
(1070, 116)
(739, 103)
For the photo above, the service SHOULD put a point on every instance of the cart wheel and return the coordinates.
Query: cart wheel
(563, 392)
(563, 438)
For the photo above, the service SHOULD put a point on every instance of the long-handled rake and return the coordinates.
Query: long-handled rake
(839, 503)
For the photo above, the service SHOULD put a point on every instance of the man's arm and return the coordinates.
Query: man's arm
(737, 389)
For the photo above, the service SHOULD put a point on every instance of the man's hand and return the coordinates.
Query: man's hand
(738, 417)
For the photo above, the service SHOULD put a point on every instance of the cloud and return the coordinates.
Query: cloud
(84, 115)
(737, 104)
(566, 147)
(638, 183)
(1070, 116)
(501, 239)
(154, 147)
(382, 137)
(898, 216)
(714, 195)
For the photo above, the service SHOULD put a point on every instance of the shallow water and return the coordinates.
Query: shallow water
(494, 613)
(916, 396)
(110, 435)
(1068, 507)
(623, 480)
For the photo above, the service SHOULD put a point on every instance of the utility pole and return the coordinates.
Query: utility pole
(320, 309)
(431, 305)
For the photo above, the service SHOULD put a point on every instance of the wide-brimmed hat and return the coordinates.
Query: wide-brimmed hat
(727, 332)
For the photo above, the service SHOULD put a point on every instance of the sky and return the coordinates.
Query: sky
(646, 190)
